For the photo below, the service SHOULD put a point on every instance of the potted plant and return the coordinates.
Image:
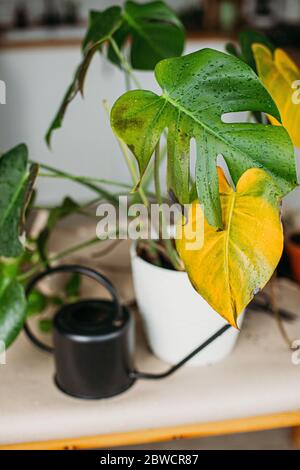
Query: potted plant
(233, 263)
(228, 237)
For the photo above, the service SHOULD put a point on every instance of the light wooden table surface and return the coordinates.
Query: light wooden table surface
(256, 388)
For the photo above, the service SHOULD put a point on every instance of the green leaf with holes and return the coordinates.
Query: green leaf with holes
(197, 90)
(15, 185)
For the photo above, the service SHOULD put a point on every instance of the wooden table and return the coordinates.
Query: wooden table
(256, 388)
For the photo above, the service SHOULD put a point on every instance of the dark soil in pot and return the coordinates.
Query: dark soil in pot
(154, 253)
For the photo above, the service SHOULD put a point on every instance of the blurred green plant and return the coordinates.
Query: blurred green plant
(197, 90)
(149, 32)
(155, 33)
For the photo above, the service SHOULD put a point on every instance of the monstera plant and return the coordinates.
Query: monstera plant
(240, 204)
(243, 235)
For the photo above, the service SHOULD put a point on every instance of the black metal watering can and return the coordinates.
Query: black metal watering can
(93, 342)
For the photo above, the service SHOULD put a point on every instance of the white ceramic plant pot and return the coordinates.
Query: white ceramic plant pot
(176, 318)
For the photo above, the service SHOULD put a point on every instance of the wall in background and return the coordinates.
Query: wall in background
(37, 7)
(36, 80)
(176, 4)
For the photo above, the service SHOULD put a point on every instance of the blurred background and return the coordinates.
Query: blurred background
(40, 48)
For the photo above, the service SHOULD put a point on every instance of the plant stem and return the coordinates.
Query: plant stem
(148, 176)
(275, 309)
(158, 189)
(58, 256)
(103, 192)
(88, 179)
(129, 162)
(133, 172)
(84, 205)
(162, 225)
(125, 65)
(114, 244)
(127, 81)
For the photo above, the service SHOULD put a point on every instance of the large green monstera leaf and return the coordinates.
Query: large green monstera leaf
(197, 90)
(155, 31)
(15, 188)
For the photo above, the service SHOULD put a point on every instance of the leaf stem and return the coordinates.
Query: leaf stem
(58, 256)
(88, 179)
(162, 225)
(125, 65)
(275, 309)
(157, 188)
(84, 205)
(63, 174)
(130, 165)
(127, 81)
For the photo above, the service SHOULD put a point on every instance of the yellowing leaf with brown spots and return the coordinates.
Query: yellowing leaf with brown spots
(280, 75)
(235, 263)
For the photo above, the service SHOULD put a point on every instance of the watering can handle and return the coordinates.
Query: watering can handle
(72, 268)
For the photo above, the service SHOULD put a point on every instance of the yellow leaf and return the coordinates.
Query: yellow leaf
(279, 74)
(235, 263)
